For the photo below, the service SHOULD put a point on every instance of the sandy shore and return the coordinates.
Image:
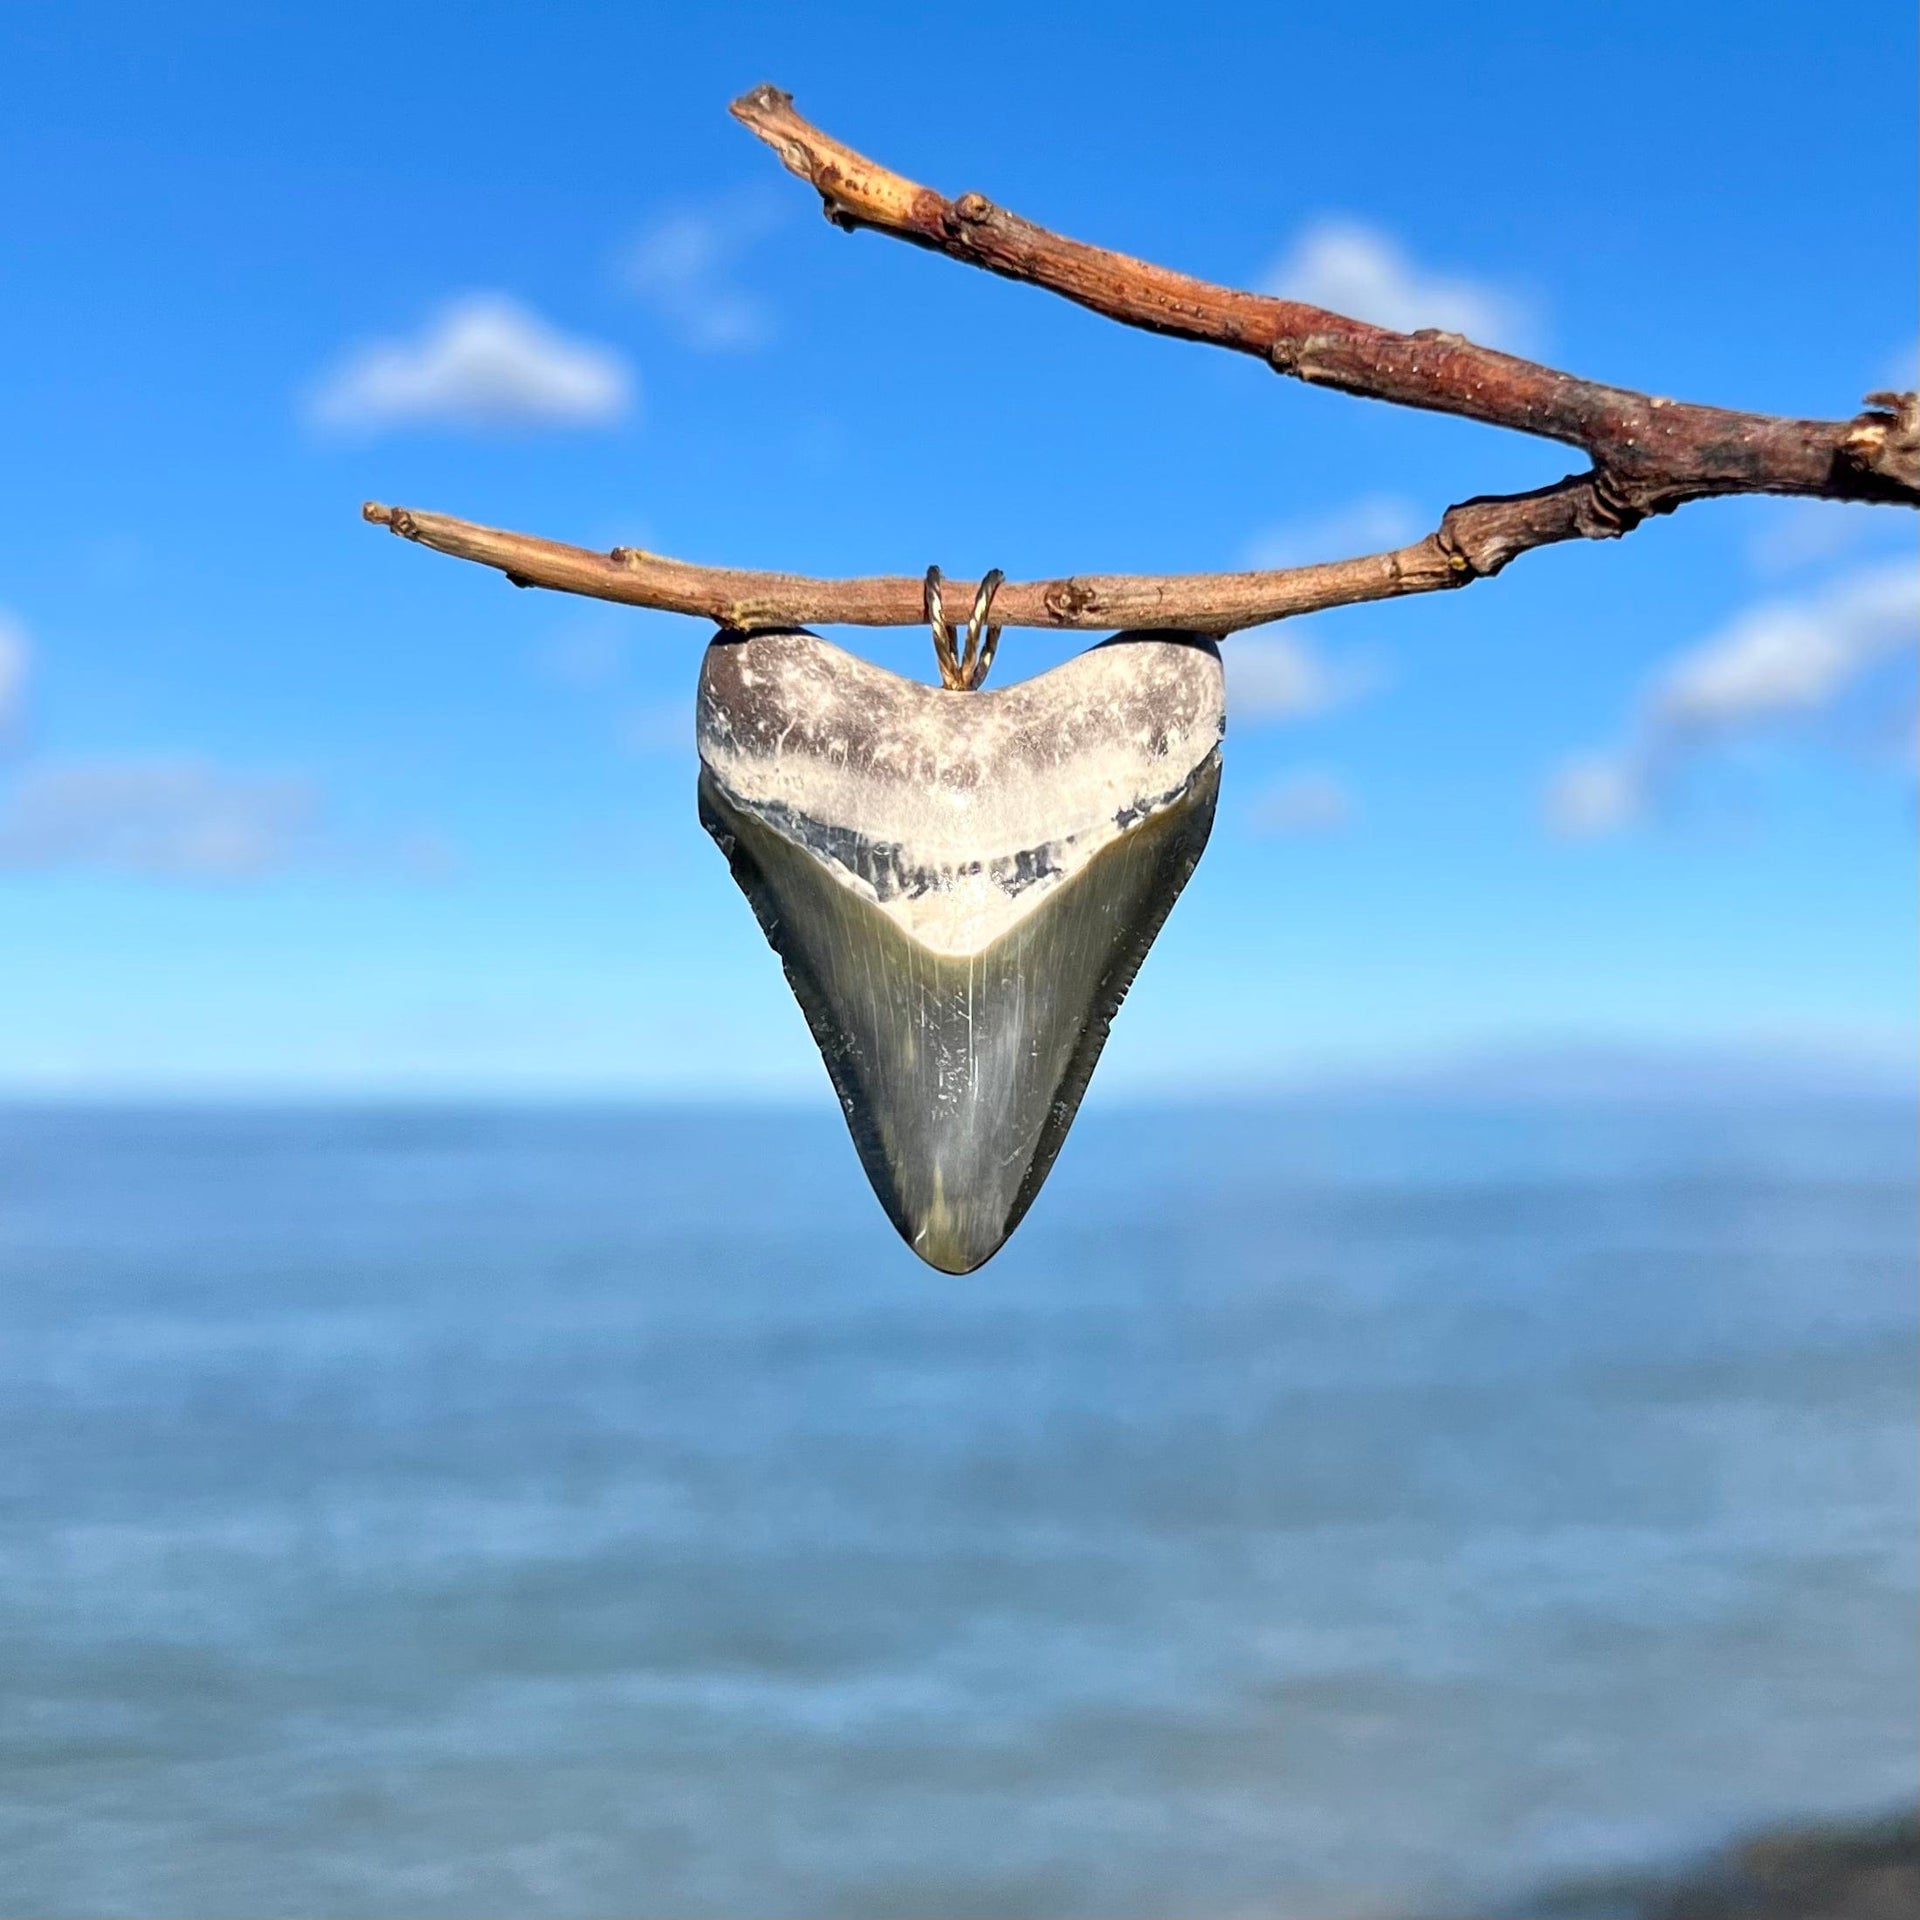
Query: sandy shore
(1869, 1870)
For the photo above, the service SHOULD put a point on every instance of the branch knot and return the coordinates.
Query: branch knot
(1068, 601)
(1611, 504)
(395, 519)
(1885, 440)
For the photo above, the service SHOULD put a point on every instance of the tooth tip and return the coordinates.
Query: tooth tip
(958, 1264)
(951, 1254)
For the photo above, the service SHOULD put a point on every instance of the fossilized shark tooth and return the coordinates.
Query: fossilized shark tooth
(962, 886)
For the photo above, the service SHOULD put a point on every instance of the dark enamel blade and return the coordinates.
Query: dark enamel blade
(961, 887)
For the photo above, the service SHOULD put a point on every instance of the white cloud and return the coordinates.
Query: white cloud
(1283, 676)
(682, 267)
(14, 657)
(1781, 661)
(485, 361)
(1303, 803)
(1355, 269)
(1372, 524)
(1596, 794)
(177, 819)
(1792, 655)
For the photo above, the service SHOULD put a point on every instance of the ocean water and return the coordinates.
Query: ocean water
(1315, 1510)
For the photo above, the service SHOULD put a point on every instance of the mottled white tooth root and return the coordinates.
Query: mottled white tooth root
(961, 887)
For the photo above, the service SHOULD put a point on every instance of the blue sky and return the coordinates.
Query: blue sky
(286, 804)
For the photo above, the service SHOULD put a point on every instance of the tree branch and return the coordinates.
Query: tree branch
(1655, 452)
(1475, 539)
(1649, 454)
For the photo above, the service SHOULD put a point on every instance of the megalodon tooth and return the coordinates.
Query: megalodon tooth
(961, 886)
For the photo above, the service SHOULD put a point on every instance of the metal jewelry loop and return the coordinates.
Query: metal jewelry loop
(963, 666)
(980, 650)
(944, 649)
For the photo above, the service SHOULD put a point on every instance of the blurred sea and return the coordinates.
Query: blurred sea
(1380, 1507)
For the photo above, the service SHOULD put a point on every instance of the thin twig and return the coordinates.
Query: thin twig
(1649, 454)
(1476, 538)
(1655, 452)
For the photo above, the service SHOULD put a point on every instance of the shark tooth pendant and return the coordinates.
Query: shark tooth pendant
(961, 886)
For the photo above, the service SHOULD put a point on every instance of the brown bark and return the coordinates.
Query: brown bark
(1649, 454)
(1656, 451)
(1476, 538)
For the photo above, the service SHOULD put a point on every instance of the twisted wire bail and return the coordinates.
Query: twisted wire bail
(944, 650)
(962, 668)
(980, 650)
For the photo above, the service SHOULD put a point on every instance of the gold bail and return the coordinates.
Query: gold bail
(963, 668)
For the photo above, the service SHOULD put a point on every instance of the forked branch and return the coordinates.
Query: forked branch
(1649, 454)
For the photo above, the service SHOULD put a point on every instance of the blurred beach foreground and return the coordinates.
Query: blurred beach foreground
(1401, 1504)
(1867, 1871)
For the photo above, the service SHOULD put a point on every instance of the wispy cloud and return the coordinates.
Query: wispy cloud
(1302, 803)
(1791, 655)
(484, 362)
(594, 655)
(188, 819)
(1371, 524)
(1361, 271)
(175, 819)
(1782, 661)
(1597, 794)
(1284, 676)
(171, 817)
(1803, 533)
(684, 268)
(15, 654)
